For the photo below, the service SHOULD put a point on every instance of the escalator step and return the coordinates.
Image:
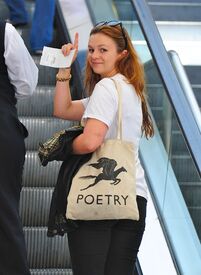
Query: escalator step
(166, 10)
(156, 94)
(36, 175)
(40, 104)
(184, 168)
(44, 252)
(197, 92)
(4, 12)
(35, 205)
(47, 75)
(193, 72)
(178, 143)
(192, 193)
(41, 129)
(195, 213)
(51, 272)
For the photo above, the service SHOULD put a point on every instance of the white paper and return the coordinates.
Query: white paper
(53, 57)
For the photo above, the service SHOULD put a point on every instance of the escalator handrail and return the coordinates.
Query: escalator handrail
(178, 101)
(186, 86)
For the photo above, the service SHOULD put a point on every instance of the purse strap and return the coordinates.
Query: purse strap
(119, 125)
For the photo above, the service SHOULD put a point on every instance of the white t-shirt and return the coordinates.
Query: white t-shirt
(103, 105)
(22, 70)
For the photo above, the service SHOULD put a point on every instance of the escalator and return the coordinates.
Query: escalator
(174, 173)
(45, 255)
(172, 158)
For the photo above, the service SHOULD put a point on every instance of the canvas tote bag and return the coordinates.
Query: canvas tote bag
(104, 187)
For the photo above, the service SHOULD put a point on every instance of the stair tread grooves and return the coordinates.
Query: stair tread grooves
(195, 208)
(192, 184)
(34, 228)
(177, 4)
(51, 272)
(179, 156)
(45, 128)
(50, 269)
(48, 256)
(40, 118)
(25, 188)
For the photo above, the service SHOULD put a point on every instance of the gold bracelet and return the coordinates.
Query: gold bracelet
(63, 79)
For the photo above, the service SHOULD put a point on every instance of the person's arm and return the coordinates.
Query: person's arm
(64, 107)
(92, 137)
(99, 115)
(22, 71)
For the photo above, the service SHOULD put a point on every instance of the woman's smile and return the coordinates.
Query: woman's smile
(96, 63)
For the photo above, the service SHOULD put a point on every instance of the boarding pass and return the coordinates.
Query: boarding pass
(53, 57)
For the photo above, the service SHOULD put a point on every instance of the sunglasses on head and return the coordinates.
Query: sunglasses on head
(113, 23)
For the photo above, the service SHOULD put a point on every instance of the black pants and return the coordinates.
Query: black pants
(107, 247)
(13, 256)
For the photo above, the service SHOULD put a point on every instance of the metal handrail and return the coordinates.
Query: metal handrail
(186, 86)
(173, 88)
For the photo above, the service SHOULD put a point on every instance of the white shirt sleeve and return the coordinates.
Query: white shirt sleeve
(103, 103)
(85, 101)
(22, 71)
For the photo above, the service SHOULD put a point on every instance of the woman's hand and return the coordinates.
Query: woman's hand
(66, 48)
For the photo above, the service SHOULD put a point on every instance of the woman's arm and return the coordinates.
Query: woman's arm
(92, 137)
(64, 107)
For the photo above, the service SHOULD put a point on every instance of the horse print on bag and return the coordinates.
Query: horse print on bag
(108, 172)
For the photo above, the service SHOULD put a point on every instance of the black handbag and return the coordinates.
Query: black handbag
(57, 147)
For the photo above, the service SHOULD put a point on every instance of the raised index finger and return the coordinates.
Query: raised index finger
(75, 44)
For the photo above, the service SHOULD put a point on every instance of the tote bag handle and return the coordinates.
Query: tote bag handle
(119, 128)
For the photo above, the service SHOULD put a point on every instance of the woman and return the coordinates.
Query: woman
(18, 79)
(107, 247)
